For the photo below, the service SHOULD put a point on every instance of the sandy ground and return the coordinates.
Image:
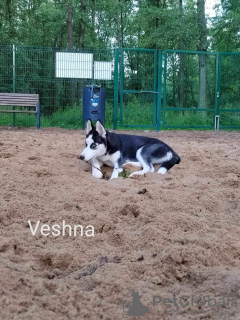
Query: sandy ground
(179, 237)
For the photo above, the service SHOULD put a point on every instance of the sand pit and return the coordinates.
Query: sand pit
(161, 236)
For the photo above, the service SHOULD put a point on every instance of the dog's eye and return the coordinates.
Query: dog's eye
(93, 146)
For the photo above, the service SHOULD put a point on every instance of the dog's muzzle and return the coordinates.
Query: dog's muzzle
(81, 157)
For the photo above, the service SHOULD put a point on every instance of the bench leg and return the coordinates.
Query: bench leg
(38, 116)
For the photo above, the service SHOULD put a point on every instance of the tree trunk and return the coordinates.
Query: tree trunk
(202, 27)
(70, 26)
(10, 15)
(202, 100)
(174, 81)
(70, 46)
(81, 41)
(181, 45)
(93, 18)
(82, 24)
(119, 41)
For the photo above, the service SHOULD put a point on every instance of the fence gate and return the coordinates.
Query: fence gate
(190, 89)
(229, 90)
(140, 88)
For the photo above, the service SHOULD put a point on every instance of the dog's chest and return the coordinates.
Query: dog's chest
(110, 159)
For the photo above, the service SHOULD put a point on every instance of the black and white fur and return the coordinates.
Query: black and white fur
(120, 150)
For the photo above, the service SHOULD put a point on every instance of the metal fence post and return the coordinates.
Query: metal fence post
(159, 96)
(164, 89)
(115, 111)
(216, 123)
(218, 87)
(14, 79)
(38, 115)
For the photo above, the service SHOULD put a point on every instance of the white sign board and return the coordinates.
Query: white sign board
(102, 70)
(74, 65)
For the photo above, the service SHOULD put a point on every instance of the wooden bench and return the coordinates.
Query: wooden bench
(21, 100)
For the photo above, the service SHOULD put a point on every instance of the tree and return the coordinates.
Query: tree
(82, 25)
(70, 25)
(181, 47)
(225, 26)
(202, 46)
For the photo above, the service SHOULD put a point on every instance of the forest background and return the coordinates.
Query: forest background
(103, 24)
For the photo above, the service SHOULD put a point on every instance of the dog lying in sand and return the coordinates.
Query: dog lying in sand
(121, 150)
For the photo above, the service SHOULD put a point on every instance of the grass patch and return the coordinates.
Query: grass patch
(135, 116)
(125, 173)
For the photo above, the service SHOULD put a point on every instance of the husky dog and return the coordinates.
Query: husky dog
(121, 150)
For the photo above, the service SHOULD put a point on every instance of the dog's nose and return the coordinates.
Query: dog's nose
(81, 157)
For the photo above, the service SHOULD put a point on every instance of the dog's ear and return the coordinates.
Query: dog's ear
(89, 126)
(100, 129)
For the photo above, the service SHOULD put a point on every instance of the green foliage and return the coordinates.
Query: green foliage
(225, 26)
(123, 23)
(105, 24)
(160, 25)
(189, 118)
(71, 118)
(137, 112)
(125, 173)
(67, 117)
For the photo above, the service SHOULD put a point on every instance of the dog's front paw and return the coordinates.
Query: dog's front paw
(127, 166)
(114, 175)
(134, 175)
(97, 174)
(137, 175)
(162, 170)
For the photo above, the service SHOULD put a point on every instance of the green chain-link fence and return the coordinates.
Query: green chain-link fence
(139, 93)
(185, 89)
(32, 70)
(229, 90)
(189, 89)
(201, 90)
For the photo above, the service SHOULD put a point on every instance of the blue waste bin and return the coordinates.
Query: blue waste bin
(94, 98)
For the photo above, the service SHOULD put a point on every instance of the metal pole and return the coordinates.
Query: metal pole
(115, 111)
(165, 89)
(38, 115)
(217, 94)
(216, 124)
(159, 96)
(14, 79)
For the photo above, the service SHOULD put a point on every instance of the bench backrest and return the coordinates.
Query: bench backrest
(19, 99)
